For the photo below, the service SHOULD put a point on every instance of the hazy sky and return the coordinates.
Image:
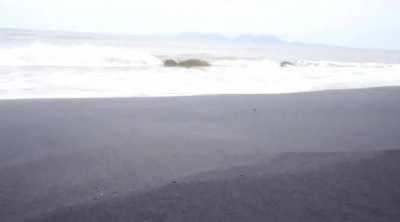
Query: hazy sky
(355, 23)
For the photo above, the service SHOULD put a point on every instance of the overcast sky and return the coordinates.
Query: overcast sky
(354, 23)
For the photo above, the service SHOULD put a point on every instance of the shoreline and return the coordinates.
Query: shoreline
(197, 95)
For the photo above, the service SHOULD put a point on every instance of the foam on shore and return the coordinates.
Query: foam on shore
(43, 70)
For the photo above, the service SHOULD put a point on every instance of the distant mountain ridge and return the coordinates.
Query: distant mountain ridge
(189, 36)
(256, 39)
(246, 38)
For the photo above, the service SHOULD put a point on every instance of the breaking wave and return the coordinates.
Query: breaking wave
(43, 70)
(40, 54)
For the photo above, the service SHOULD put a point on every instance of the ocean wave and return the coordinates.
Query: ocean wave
(78, 71)
(336, 64)
(41, 54)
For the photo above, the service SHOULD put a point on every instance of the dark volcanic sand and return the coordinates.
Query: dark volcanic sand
(364, 187)
(60, 153)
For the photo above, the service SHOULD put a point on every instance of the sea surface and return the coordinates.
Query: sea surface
(42, 64)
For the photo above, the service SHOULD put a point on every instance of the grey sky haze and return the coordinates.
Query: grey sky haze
(351, 23)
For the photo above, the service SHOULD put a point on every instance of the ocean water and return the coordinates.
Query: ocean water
(38, 64)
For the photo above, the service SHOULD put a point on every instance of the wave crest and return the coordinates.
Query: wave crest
(39, 54)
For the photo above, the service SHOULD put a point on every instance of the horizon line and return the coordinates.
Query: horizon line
(280, 39)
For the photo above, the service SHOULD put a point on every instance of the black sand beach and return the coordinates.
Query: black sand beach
(320, 156)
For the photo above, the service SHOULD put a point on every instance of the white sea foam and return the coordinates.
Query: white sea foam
(43, 70)
(40, 54)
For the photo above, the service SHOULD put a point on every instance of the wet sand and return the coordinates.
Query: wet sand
(67, 153)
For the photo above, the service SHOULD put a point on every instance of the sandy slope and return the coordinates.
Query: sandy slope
(58, 153)
(352, 187)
